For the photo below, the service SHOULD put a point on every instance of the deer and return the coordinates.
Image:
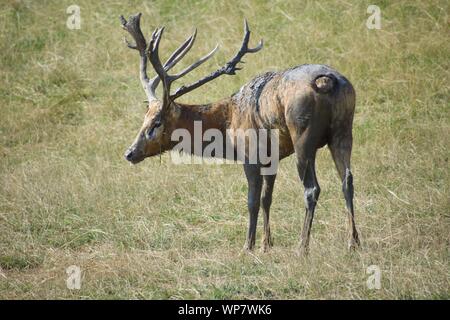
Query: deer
(311, 105)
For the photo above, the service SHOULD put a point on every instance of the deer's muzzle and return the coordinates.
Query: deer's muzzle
(133, 155)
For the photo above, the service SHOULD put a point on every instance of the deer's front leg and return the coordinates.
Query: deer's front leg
(254, 179)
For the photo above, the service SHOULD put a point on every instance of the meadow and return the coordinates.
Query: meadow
(71, 103)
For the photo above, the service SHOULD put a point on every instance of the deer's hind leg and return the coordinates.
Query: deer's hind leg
(305, 150)
(341, 148)
(305, 126)
(307, 173)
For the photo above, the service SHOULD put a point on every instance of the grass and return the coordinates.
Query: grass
(71, 103)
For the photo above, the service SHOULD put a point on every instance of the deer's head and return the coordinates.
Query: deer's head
(160, 118)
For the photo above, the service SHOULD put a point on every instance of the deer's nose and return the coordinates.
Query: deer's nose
(129, 154)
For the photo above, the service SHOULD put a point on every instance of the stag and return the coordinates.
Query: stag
(310, 105)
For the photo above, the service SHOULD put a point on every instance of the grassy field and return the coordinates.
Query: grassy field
(71, 103)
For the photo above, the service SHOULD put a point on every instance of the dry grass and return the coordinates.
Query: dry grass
(71, 103)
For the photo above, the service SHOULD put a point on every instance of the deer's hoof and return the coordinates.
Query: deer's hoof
(303, 252)
(265, 248)
(267, 244)
(353, 244)
(249, 246)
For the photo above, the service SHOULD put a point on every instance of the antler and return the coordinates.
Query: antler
(133, 26)
(229, 68)
(134, 29)
(151, 52)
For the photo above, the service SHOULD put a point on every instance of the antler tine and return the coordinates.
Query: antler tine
(247, 37)
(195, 64)
(181, 51)
(133, 26)
(176, 56)
(153, 54)
(129, 44)
(229, 68)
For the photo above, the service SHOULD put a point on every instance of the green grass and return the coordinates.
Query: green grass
(71, 103)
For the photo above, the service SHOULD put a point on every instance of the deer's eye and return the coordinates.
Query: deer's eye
(151, 132)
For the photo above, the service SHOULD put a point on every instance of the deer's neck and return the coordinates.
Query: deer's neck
(197, 119)
(214, 115)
